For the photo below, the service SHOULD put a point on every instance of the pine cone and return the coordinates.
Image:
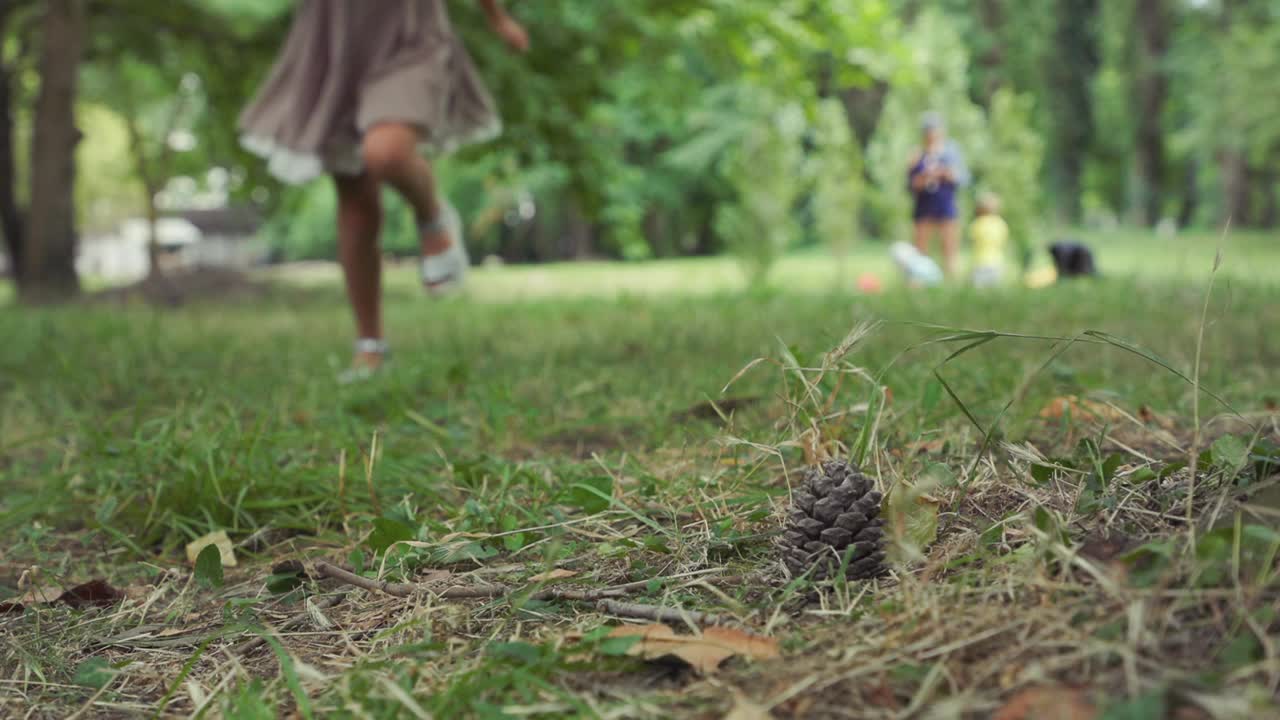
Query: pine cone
(835, 508)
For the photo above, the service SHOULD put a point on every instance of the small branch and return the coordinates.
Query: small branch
(657, 614)
(296, 621)
(404, 590)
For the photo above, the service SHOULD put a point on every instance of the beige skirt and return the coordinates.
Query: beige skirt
(350, 64)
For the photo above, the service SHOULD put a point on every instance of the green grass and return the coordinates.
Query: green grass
(125, 433)
(1139, 258)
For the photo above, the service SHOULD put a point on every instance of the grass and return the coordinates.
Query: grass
(558, 419)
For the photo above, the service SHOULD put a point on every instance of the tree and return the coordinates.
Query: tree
(48, 244)
(1069, 73)
(10, 216)
(1153, 20)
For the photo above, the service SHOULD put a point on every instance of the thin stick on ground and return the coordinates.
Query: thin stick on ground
(402, 590)
(292, 623)
(657, 614)
(405, 590)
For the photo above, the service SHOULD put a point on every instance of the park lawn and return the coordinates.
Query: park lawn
(558, 419)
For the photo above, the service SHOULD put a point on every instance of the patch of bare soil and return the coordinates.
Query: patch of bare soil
(174, 289)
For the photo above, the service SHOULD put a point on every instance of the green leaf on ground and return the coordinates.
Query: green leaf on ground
(913, 520)
(1151, 706)
(209, 566)
(387, 532)
(94, 673)
(1230, 453)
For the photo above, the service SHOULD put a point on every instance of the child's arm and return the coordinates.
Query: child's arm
(511, 32)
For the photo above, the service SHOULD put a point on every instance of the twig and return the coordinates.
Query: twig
(298, 620)
(657, 614)
(404, 590)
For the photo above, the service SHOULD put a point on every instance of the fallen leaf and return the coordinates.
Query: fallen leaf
(883, 696)
(924, 447)
(704, 653)
(744, 708)
(1106, 548)
(35, 595)
(1081, 409)
(912, 514)
(209, 566)
(95, 593)
(557, 574)
(290, 567)
(713, 409)
(41, 595)
(1048, 703)
(218, 539)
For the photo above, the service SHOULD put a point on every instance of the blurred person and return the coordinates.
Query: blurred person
(357, 91)
(989, 234)
(936, 172)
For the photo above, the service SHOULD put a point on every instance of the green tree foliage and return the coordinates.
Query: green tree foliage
(838, 186)
(1012, 166)
(764, 169)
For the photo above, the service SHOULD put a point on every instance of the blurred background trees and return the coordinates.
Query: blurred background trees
(655, 128)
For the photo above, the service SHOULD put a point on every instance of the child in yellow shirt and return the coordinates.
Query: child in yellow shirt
(990, 236)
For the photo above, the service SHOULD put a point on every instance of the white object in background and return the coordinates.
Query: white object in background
(918, 267)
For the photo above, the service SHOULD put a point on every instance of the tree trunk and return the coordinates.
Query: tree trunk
(576, 242)
(1190, 195)
(1070, 73)
(1153, 20)
(150, 188)
(1235, 187)
(152, 171)
(49, 272)
(10, 216)
(1263, 181)
(991, 59)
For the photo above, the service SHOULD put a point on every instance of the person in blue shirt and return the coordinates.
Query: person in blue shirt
(937, 171)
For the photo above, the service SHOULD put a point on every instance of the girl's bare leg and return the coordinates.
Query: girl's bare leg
(923, 232)
(950, 230)
(390, 152)
(359, 223)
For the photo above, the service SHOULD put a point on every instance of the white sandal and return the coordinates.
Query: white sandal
(447, 271)
(366, 346)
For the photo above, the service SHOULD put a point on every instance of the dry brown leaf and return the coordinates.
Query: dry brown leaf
(882, 695)
(744, 708)
(41, 595)
(95, 593)
(557, 574)
(704, 653)
(1048, 703)
(1081, 409)
(924, 447)
(219, 539)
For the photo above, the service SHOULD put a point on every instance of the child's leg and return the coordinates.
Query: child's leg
(923, 231)
(950, 230)
(391, 156)
(359, 222)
